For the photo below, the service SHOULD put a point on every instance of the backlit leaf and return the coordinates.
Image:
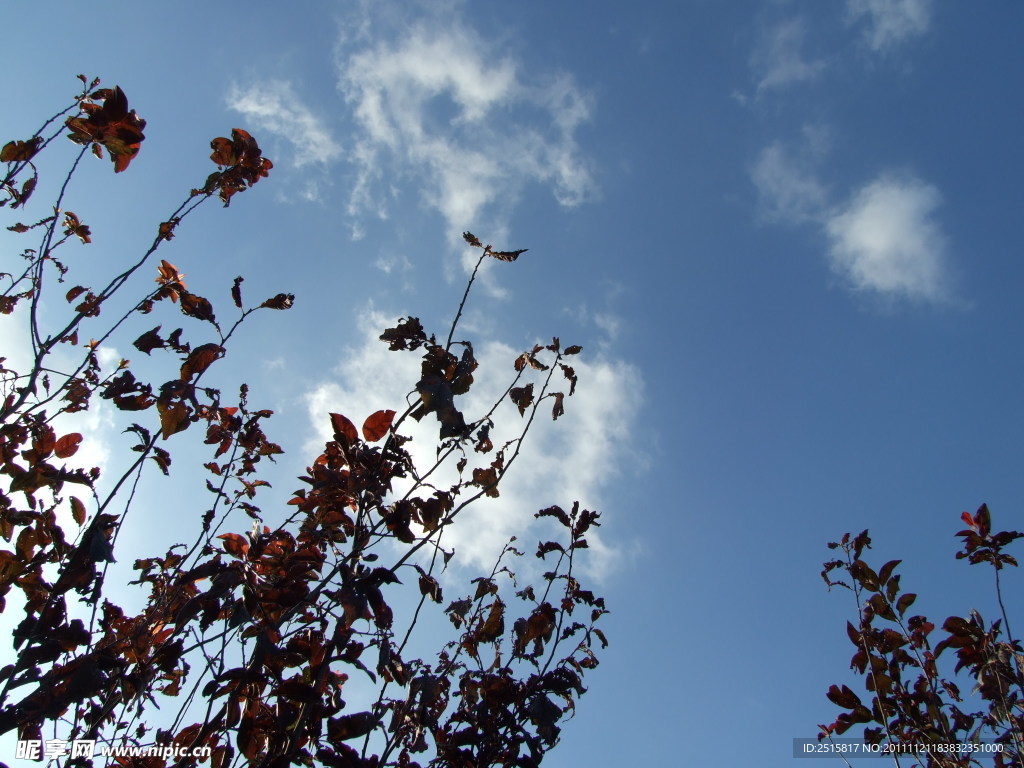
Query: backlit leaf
(377, 425)
(199, 360)
(174, 418)
(67, 445)
(235, 544)
(344, 427)
(487, 478)
(196, 306)
(77, 510)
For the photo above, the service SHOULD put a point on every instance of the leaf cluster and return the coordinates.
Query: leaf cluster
(251, 633)
(911, 701)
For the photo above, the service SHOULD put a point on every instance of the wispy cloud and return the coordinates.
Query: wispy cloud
(788, 190)
(572, 459)
(465, 125)
(275, 106)
(887, 240)
(890, 22)
(779, 61)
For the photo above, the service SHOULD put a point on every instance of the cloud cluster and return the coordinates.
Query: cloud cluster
(437, 112)
(576, 458)
(883, 239)
(466, 125)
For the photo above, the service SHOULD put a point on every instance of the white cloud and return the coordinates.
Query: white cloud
(778, 61)
(890, 22)
(886, 239)
(275, 106)
(575, 458)
(464, 122)
(788, 190)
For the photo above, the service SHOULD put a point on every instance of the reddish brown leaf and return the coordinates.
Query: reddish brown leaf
(281, 301)
(20, 151)
(90, 306)
(26, 191)
(494, 626)
(487, 478)
(570, 376)
(351, 726)
(197, 307)
(558, 409)
(223, 152)
(236, 291)
(507, 255)
(72, 226)
(344, 427)
(112, 125)
(538, 627)
(408, 334)
(242, 163)
(199, 360)
(166, 231)
(67, 445)
(430, 587)
(149, 341)
(235, 544)
(377, 425)
(77, 510)
(173, 418)
(522, 397)
(557, 512)
(167, 274)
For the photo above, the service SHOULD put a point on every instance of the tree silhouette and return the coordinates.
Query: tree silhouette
(918, 713)
(249, 637)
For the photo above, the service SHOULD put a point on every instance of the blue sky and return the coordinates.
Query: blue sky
(787, 235)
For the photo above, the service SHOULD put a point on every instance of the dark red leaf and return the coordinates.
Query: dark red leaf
(149, 341)
(196, 306)
(235, 544)
(344, 427)
(377, 425)
(199, 360)
(67, 445)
